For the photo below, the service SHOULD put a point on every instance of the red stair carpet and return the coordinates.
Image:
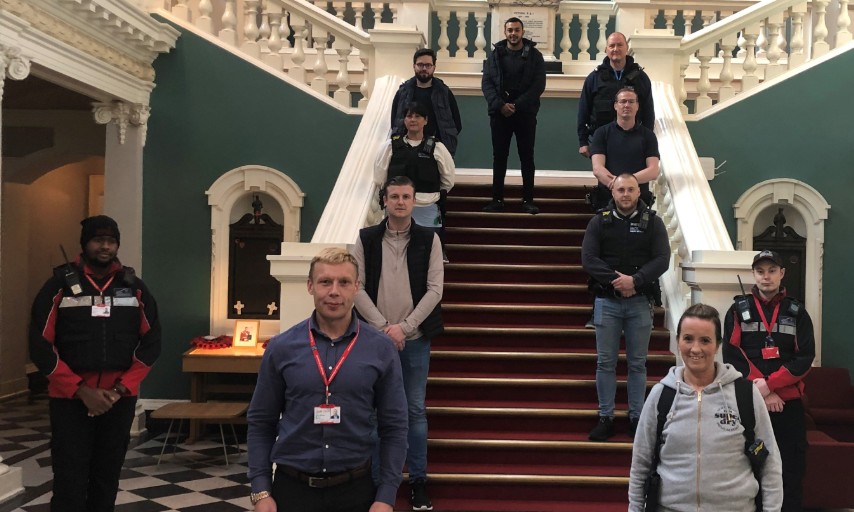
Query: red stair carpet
(511, 395)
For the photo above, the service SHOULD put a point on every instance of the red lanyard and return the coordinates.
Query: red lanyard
(99, 288)
(768, 327)
(328, 380)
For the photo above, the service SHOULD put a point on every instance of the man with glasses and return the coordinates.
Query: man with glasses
(624, 146)
(443, 116)
(618, 70)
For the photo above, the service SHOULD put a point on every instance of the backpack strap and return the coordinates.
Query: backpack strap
(665, 402)
(744, 399)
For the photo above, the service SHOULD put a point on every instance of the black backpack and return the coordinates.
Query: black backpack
(744, 401)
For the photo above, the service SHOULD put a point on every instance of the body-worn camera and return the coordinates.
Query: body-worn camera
(756, 454)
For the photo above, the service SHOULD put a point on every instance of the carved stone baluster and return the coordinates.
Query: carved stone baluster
(819, 33)
(704, 85)
(365, 88)
(565, 43)
(297, 71)
(741, 52)
(774, 68)
(250, 29)
(181, 10)
(761, 42)
(342, 94)
(462, 40)
(688, 16)
(444, 42)
(359, 12)
(339, 7)
(229, 21)
(480, 41)
(843, 34)
(394, 7)
(749, 80)
(727, 91)
(797, 56)
(602, 42)
(708, 19)
(205, 23)
(669, 16)
(274, 58)
(284, 31)
(319, 82)
(683, 92)
(264, 29)
(584, 41)
(651, 17)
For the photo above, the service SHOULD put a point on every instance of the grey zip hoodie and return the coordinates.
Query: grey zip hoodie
(703, 465)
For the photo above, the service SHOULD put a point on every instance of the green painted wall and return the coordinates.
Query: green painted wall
(801, 129)
(212, 112)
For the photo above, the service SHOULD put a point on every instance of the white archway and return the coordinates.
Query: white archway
(812, 207)
(227, 190)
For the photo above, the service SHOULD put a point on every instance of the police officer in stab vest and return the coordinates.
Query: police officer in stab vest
(94, 333)
(423, 160)
(625, 250)
(596, 103)
(769, 338)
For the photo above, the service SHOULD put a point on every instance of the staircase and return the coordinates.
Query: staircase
(511, 394)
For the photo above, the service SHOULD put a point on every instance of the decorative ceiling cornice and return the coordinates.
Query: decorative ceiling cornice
(112, 31)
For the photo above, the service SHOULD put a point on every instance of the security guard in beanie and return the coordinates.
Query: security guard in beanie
(94, 333)
(769, 338)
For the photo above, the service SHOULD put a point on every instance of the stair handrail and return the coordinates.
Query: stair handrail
(321, 19)
(685, 201)
(734, 23)
(353, 202)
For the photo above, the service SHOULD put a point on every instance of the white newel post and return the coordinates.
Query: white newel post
(657, 50)
(393, 49)
(712, 277)
(17, 67)
(291, 270)
(415, 13)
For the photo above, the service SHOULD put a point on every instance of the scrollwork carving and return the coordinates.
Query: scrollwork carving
(122, 114)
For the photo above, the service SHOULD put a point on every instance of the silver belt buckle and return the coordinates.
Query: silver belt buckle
(314, 481)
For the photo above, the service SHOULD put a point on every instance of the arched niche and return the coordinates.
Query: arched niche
(760, 202)
(234, 190)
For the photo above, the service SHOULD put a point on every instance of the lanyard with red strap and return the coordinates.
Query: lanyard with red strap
(101, 289)
(769, 341)
(328, 380)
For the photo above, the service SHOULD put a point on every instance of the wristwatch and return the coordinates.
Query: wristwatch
(255, 497)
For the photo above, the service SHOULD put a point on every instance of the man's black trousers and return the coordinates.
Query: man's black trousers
(524, 126)
(88, 454)
(791, 433)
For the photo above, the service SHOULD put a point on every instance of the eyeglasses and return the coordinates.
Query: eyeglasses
(422, 65)
(627, 102)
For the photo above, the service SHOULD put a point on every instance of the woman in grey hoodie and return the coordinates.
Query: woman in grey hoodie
(703, 466)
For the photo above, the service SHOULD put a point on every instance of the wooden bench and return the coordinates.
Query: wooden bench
(221, 412)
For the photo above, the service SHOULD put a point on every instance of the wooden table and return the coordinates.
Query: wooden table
(199, 362)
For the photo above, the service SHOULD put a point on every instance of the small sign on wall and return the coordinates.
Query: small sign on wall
(538, 22)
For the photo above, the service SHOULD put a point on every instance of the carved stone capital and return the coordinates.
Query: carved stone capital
(16, 65)
(123, 114)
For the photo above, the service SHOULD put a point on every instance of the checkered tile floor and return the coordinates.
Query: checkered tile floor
(197, 480)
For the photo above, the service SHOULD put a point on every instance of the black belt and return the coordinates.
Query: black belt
(325, 481)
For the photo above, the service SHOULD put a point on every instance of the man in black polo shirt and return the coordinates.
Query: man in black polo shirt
(624, 146)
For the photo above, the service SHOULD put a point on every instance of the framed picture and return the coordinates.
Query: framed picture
(246, 333)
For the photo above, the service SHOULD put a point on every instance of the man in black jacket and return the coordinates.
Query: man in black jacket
(625, 250)
(514, 78)
(95, 333)
(596, 103)
(443, 115)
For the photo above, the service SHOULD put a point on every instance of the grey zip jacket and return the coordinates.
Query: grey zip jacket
(703, 465)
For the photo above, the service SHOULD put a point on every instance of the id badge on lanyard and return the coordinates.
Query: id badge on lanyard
(326, 413)
(770, 350)
(101, 307)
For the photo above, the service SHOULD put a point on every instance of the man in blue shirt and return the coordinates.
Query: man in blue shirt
(311, 414)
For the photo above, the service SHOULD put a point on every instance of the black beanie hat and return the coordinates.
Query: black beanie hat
(99, 225)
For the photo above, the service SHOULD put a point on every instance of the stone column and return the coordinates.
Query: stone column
(125, 139)
(657, 51)
(17, 67)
